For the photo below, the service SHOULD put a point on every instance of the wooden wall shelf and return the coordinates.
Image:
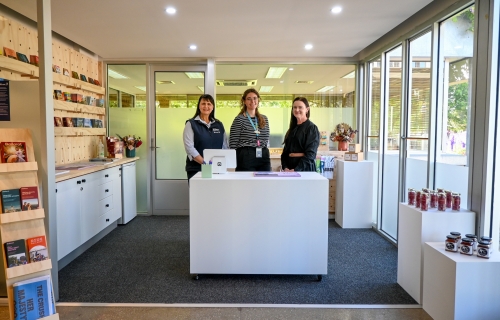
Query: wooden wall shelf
(29, 268)
(77, 107)
(18, 167)
(77, 84)
(25, 69)
(21, 216)
(78, 132)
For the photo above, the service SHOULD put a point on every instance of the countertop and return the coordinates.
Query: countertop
(92, 167)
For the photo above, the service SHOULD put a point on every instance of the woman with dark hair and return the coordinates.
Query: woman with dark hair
(250, 135)
(202, 132)
(301, 139)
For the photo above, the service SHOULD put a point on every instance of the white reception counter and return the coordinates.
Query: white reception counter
(241, 224)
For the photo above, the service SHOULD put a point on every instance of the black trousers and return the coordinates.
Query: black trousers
(246, 160)
(190, 174)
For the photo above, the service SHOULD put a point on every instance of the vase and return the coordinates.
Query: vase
(342, 146)
(130, 153)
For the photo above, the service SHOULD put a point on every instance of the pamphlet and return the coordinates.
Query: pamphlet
(276, 174)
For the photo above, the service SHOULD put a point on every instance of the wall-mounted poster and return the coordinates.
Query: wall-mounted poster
(4, 100)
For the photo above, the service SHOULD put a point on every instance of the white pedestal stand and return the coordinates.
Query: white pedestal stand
(417, 227)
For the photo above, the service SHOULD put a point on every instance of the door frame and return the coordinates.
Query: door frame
(206, 66)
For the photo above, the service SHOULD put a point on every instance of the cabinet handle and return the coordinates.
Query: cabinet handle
(107, 205)
(107, 220)
(107, 175)
(56, 190)
(81, 188)
(78, 182)
(83, 180)
(107, 190)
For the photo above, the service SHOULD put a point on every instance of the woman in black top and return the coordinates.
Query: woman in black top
(250, 135)
(301, 139)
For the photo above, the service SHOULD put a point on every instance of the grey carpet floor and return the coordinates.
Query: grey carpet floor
(147, 261)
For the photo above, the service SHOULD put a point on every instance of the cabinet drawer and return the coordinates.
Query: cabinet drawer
(105, 205)
(105, 190)
(105, 220)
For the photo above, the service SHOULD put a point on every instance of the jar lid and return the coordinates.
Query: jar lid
(484, 243)
(419, 191)
(472, 236)
(452, 237)
(486, 238)
(411, 189)
(455, 233)
(467, 240)
(455, 194)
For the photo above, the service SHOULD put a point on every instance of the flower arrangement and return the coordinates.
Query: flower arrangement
(131, 142)
(343, 132)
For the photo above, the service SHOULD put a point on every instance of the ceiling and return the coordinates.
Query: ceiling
(119, 29)
(228, 31)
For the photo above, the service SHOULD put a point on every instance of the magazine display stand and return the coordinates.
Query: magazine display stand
(24, 224)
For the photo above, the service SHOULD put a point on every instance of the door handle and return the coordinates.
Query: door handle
(155, 147)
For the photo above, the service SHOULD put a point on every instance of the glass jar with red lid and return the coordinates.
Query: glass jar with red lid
(424, 201)
(441, 201)
(433, 199)
(412, 195)
(455, 201)
(449, 198)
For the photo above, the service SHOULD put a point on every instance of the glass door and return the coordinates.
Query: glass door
(172, 100)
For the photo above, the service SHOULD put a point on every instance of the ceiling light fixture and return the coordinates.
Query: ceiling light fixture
(266, 88)
(141, 88)
(116, 75)
(324, 89)
(275, 72)
(350, 75)
(290, 69)
(195, 75)
(193, 47)
(308, 46)
(171, 10)
(304, 81)
(337, 9)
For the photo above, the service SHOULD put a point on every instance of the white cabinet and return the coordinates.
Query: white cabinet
(85, 206)
(68, 216)
(89, 198)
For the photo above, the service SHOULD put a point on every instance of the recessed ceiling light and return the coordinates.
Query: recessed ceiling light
(308, 46)
(275, 72)
(165, 82)
(141, 88)
(195, 75)
(350, 75)
(193, 47)
(291, 69)
(324, 89)
(266, 88)
(282, 81)
(304, 81)
(116, 75)
(336, 9)
(171, 10)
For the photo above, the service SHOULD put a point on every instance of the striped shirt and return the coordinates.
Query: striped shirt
(242, 133)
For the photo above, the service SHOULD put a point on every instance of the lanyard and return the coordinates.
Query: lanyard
(255, 128)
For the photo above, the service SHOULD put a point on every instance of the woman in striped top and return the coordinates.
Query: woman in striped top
(250, 135)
